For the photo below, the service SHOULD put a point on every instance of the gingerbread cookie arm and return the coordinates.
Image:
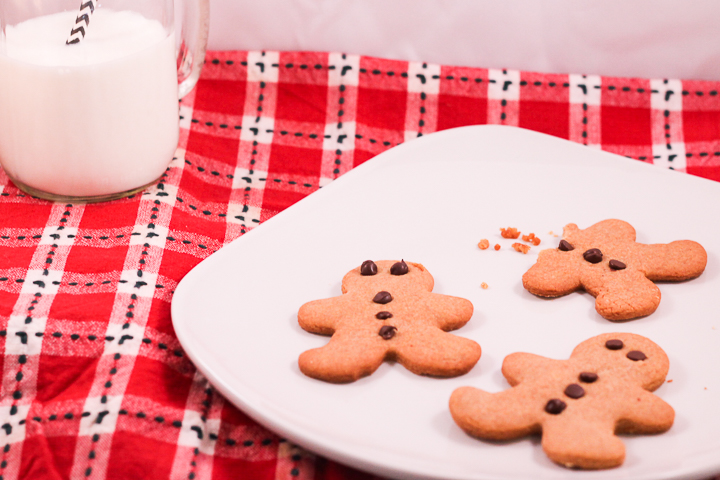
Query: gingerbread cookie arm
(346, 357)
(520, 366)
(493, 416)
(321, 316)
(629, 295)
(645, 413)
(618, 230)
(450, 312)
(674, 261)
(430, 351)
(589, 444)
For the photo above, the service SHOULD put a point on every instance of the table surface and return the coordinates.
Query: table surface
(95, 384)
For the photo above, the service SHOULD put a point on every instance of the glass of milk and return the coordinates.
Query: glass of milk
(98, 119)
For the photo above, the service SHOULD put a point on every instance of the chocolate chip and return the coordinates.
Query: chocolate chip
(382, 297)
(565, 246)
(574, 391)
(368, 267)
(636, 355)
(555, 406)
(617, 265)
(399, 268)
(588, 377)
(594, 255)
(387, 332)
(383, 315)
(614, 344)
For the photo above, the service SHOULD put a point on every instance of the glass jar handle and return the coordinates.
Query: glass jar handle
(194, 26)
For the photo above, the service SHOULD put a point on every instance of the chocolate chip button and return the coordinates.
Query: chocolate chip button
(565, 246)
(614, 344)
(594, 255)
(617, 265)
(574, 391)
(636, 355)
(555, 406)
(382, 297)
(367, 268)
(383, 315)
(387, 332)
(588, 377)
(399, 268)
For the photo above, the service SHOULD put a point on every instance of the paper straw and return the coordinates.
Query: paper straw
(82, 22)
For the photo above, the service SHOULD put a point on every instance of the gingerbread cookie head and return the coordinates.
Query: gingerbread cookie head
(640, 360)
(387, 312)
(577, 405)
(607, 262)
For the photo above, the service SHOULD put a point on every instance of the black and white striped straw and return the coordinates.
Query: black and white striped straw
(82, 22)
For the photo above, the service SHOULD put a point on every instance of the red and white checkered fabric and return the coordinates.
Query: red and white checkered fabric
(94, 382)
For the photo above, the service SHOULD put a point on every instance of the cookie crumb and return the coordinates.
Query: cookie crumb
(484, 286)
(519, 247)
(531, 238)
(497, 246)
(669, 381)
(484, 244)
(510, 232)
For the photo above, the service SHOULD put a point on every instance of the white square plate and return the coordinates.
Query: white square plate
(430, 201)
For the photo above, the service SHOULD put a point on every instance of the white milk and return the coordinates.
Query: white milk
(95, 118)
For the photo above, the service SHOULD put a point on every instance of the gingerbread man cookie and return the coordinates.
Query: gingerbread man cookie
(578, 405)
(605, 260)
(387, 312)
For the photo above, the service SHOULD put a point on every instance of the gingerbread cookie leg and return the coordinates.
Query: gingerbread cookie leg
(655, 416)
(492, 416)
(675, 261)
(590, 445)
(630, 295)
(346, 358)
(429, 351)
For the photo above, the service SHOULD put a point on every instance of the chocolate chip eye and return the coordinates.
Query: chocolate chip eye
(574, 391)
(565, 246)
(555, 406)
(387, 332)
(383, 315)
(636, 355)
(399, 268)
(614, 344)
(594, 255)
(617, 265)
(588, 377)
(382, 298)
(368, 267)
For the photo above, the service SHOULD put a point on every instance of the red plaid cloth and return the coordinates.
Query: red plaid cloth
(95, 384)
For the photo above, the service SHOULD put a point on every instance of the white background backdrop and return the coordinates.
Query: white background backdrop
(646, 38)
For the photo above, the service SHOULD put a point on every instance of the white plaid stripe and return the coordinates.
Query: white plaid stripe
(422, 102)
(199, 432)
(585, 125)
(26, 326)
(668, 147)
(124, 332)
(503, 96)
(339, 134)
